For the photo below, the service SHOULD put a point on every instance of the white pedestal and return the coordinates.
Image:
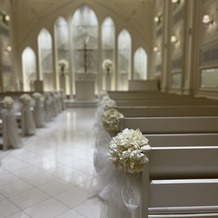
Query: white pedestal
(85, 90)
(108, 82)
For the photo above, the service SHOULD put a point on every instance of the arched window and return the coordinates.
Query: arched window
(140, 64)
(124, 59)
(62, 51)
(108, 52)
(45, 60)
(28, 69)
(85, 40)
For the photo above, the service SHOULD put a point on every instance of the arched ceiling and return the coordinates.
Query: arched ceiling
(30, 14)
(39, 9)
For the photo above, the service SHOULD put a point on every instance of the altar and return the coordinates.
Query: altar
(85, 80)
(85, 86)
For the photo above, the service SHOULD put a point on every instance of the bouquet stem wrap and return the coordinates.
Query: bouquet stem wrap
(120, 190)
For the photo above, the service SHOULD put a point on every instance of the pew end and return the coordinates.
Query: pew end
(180, 182)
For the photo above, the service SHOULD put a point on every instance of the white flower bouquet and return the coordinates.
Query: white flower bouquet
(108, 103)
(126, 151)
(107, 65)
(25, 99)
(103, 94)
(37, 95)
(63, 64)
(110, 119)
(8, 102)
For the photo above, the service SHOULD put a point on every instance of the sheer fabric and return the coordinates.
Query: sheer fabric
(121, 192)
(27, 121)
(11, 137)
(47, 107)
(38, 113)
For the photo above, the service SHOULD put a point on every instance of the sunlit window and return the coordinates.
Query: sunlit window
(124, 59)
(108, 52)
(29, 69)
(62, 50)
(45, 60)
(140, 64)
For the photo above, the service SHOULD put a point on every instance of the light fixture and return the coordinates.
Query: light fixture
(8, 48)
(207, 19)
(157, 19)
(4, 17)
(175, 1)
(156, 49)
(173, 39)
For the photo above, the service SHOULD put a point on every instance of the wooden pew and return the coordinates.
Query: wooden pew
(164, 125)
(180, 182)
(139, 94)
(173, 110)
(165, 102)
(182, 139)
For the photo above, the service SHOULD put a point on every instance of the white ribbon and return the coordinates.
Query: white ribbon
(117, 188)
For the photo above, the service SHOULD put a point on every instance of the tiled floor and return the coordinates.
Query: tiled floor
(52, 175)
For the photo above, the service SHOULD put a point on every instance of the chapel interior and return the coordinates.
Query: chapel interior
(166, 49)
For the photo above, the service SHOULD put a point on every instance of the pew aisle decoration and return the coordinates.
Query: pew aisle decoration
(126, 151)
(10, 130)
(8, 102)
(47, 106)
(120, 173)
(38, 113)
(27, 122)
(25, 99)
(110, 120)
(105, 103)
(37, 95)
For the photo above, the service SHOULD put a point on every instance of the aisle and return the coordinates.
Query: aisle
(52, 174)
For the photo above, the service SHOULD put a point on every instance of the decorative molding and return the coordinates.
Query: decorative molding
(6, 68)
(158, 68)
(159, 32)
(209, 56)
(207, 2)
(178, 16)
(4, 31)
(177, 63)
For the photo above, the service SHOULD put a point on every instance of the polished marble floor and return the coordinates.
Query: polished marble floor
(52, 175)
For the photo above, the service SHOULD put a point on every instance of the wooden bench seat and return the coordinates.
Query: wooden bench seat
(180, 182)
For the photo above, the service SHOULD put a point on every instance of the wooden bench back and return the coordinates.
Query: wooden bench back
(188, 162)
(155, 125)
(165, 102)
(180, 182)
(159, 111)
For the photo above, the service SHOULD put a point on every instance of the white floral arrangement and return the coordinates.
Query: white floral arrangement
(107, 65)
(37, 95)
(8, 102)
(25, 99)
(126, 151)
(107, 102)
(103, 93)
(63, 64)
(110, 119)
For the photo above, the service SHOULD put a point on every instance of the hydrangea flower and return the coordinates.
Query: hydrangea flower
(110, 119)
(126, 151)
